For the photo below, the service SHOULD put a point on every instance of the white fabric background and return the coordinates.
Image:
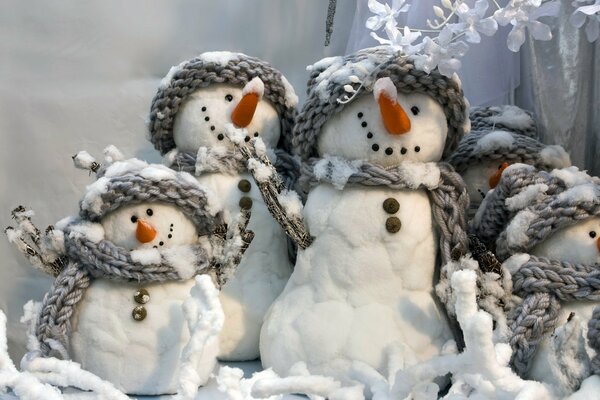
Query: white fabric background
(80, 75)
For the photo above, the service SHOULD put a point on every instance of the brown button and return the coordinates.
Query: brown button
(244, 185)
(141, 296)
(245, 203)
(391, 206)
(139, 313)
(393, 224)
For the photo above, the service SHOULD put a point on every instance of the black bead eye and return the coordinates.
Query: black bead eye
(593, 234)
(415, 110)
(229, 97)
(134, 219)
(149, 212)
(255, 134)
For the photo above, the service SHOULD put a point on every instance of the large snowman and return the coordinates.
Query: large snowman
(551, 245)
(196, 105)
(363, 290)
(129, 260)
(500, 136)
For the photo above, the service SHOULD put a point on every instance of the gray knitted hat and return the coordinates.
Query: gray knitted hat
(506, 146)
(126, 182)
(330, 77)
(503, 118)
(217, 67)
(528, 206)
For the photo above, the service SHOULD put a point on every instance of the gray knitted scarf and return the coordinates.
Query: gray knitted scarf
(544, 284)
(231, 162)
(448, 193)
(88, 260)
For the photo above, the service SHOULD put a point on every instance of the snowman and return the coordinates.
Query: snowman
(362, 291)
(551, 245)
(196, 104)
(500, 136)
(128, 264)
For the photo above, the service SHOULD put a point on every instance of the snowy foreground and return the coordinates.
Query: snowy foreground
(480, 372)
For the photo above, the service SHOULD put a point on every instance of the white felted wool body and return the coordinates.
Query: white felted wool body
(578, 244)
(260, 276)
(140, 357)
(265, 266)
(358, 290)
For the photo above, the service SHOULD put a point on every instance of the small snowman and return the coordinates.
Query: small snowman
(195, 107)
(550, 242)
(500, 136)
(124, 266)
(382, 212)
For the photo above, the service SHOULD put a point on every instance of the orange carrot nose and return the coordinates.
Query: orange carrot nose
(598, 243)
(145, 232)
(394, 117)
(495, 179)
(242, 114)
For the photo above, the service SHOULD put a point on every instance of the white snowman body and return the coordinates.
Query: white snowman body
(138, 356)
(360, 291)
(265, 266)
(578, 244)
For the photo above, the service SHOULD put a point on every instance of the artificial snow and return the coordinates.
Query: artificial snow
(218, 57)
(261, 172)
(511, 117)
(204, 316)
(516, 231)
(337, 169)
(527, 196)
(83, 160)
(516, 261)
(416, 174)
(255, 86)
(587, 192)
(112, 154)
(571, 176)
(386, 87)
(555, 155)
(236, 135)
(146, 256)
(291, 99)
(183, 259)
(92, 231)
(494, 141)
(291, 203)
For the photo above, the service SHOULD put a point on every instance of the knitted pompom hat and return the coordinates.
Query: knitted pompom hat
(528, 206)
(331, 78)
(506, 118)
(128, 182)
(211, 68)
(506, 146)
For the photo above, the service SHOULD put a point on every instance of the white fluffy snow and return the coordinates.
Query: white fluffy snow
(146, 256)
(386, 87)
(218, 57)
(512, 116)
(83, 160)
(516, 261)
(205, 318)
(261, 172)
(516, 230)
(495, 140)
(291, 203)
(182, 259)
(112, 154)
(255, 86)
(587, 192)
(526, 197)
(556, 156)
(90, 230)
(291, 99)
(571, 176)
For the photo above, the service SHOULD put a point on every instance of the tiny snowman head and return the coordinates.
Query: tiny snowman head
(142, 205)
(485, 152)
(556, 215)
(392, 116)
(199, 100)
